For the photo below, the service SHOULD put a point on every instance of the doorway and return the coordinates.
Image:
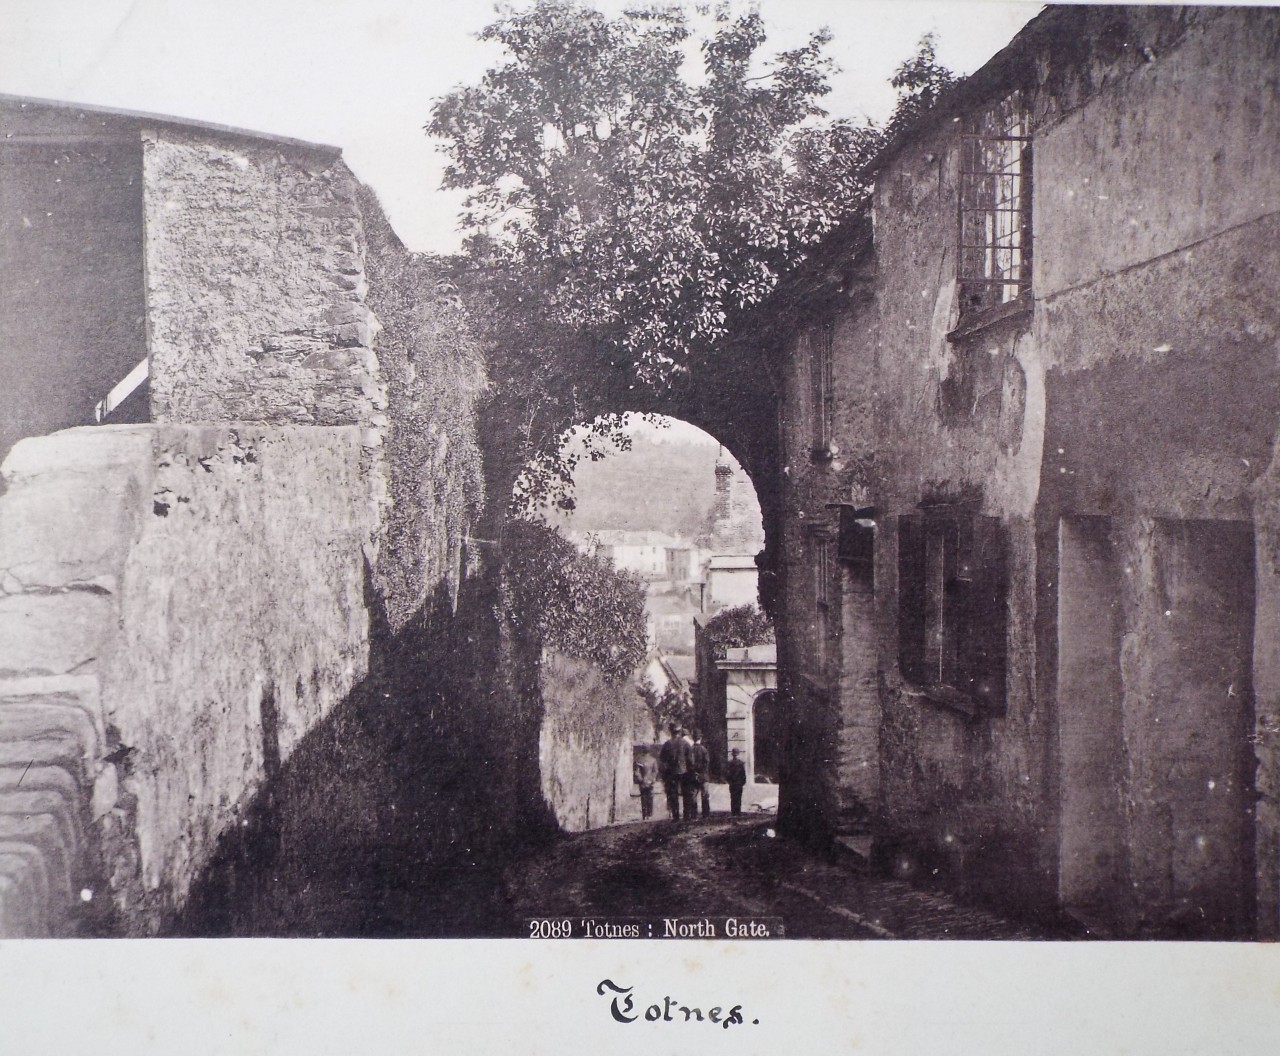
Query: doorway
(768, 734)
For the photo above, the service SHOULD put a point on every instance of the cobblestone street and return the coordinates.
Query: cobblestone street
(725, 867)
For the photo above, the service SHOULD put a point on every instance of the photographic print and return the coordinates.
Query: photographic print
(585, 471)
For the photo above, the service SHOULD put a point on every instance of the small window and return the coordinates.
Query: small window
(995, 208)
(952, 601)
(820, 376)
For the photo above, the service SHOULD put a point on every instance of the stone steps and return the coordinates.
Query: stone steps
(51, 759)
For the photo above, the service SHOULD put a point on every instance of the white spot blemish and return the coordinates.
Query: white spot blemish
(86, 895)
(1168, 612)
(1163, 348)
(1201, 843)
(1212, 784)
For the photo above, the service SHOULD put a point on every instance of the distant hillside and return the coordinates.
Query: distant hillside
(659, 485)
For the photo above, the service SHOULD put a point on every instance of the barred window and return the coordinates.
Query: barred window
(995, 207)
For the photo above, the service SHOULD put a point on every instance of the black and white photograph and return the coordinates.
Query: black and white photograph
(727, 482)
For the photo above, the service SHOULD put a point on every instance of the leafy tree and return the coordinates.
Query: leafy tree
(576, 603)
(620, 213)
(667, 706)
(737, 627)
(921, 81)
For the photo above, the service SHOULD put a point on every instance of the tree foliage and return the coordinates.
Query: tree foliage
(622, 209)
(667, 705)
(921, 82)
(576, 603)
(736, 628)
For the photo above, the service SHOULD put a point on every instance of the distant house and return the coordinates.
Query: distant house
(651, 555)
(737, 705)
(753, 721)
(670, 615)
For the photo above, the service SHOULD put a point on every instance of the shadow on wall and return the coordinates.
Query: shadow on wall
(398, 814)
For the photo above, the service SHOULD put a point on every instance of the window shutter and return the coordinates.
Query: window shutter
(911, 598)
(982, 625)
(856, 547)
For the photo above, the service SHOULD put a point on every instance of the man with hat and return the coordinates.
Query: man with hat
(672, 763)
(737, 775)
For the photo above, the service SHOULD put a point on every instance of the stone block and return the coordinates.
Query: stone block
(63, 751)
(46, 720)
(52, 634)
(64, 814)
(106, 792)
(22, 909)
(42, 832)
(79, 692)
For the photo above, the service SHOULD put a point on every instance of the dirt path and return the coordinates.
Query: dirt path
(722, 868)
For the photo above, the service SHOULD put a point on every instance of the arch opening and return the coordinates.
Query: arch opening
(675, 512)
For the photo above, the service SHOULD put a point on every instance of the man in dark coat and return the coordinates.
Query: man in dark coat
(737, 775)
(646, 773)
(700, 759)
(688, 776)
(670, 769)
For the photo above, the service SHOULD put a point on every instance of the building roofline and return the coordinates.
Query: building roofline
(746, 665)
(184, 123)
(832, 267)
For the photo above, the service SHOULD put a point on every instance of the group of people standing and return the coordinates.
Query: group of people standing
(683, 766)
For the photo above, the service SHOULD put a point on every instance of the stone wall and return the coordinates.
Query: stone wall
(298, 519)
(588, 729)
(154, 672)
(256, 284)
(434, 374)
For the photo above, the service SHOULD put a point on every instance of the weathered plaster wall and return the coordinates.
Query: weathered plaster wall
(584, 748)
(153, 577)
(256, 284)
(1143, 383)
(1160, 330)
(1183, 148)
(1156, 711)
(919, 418)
